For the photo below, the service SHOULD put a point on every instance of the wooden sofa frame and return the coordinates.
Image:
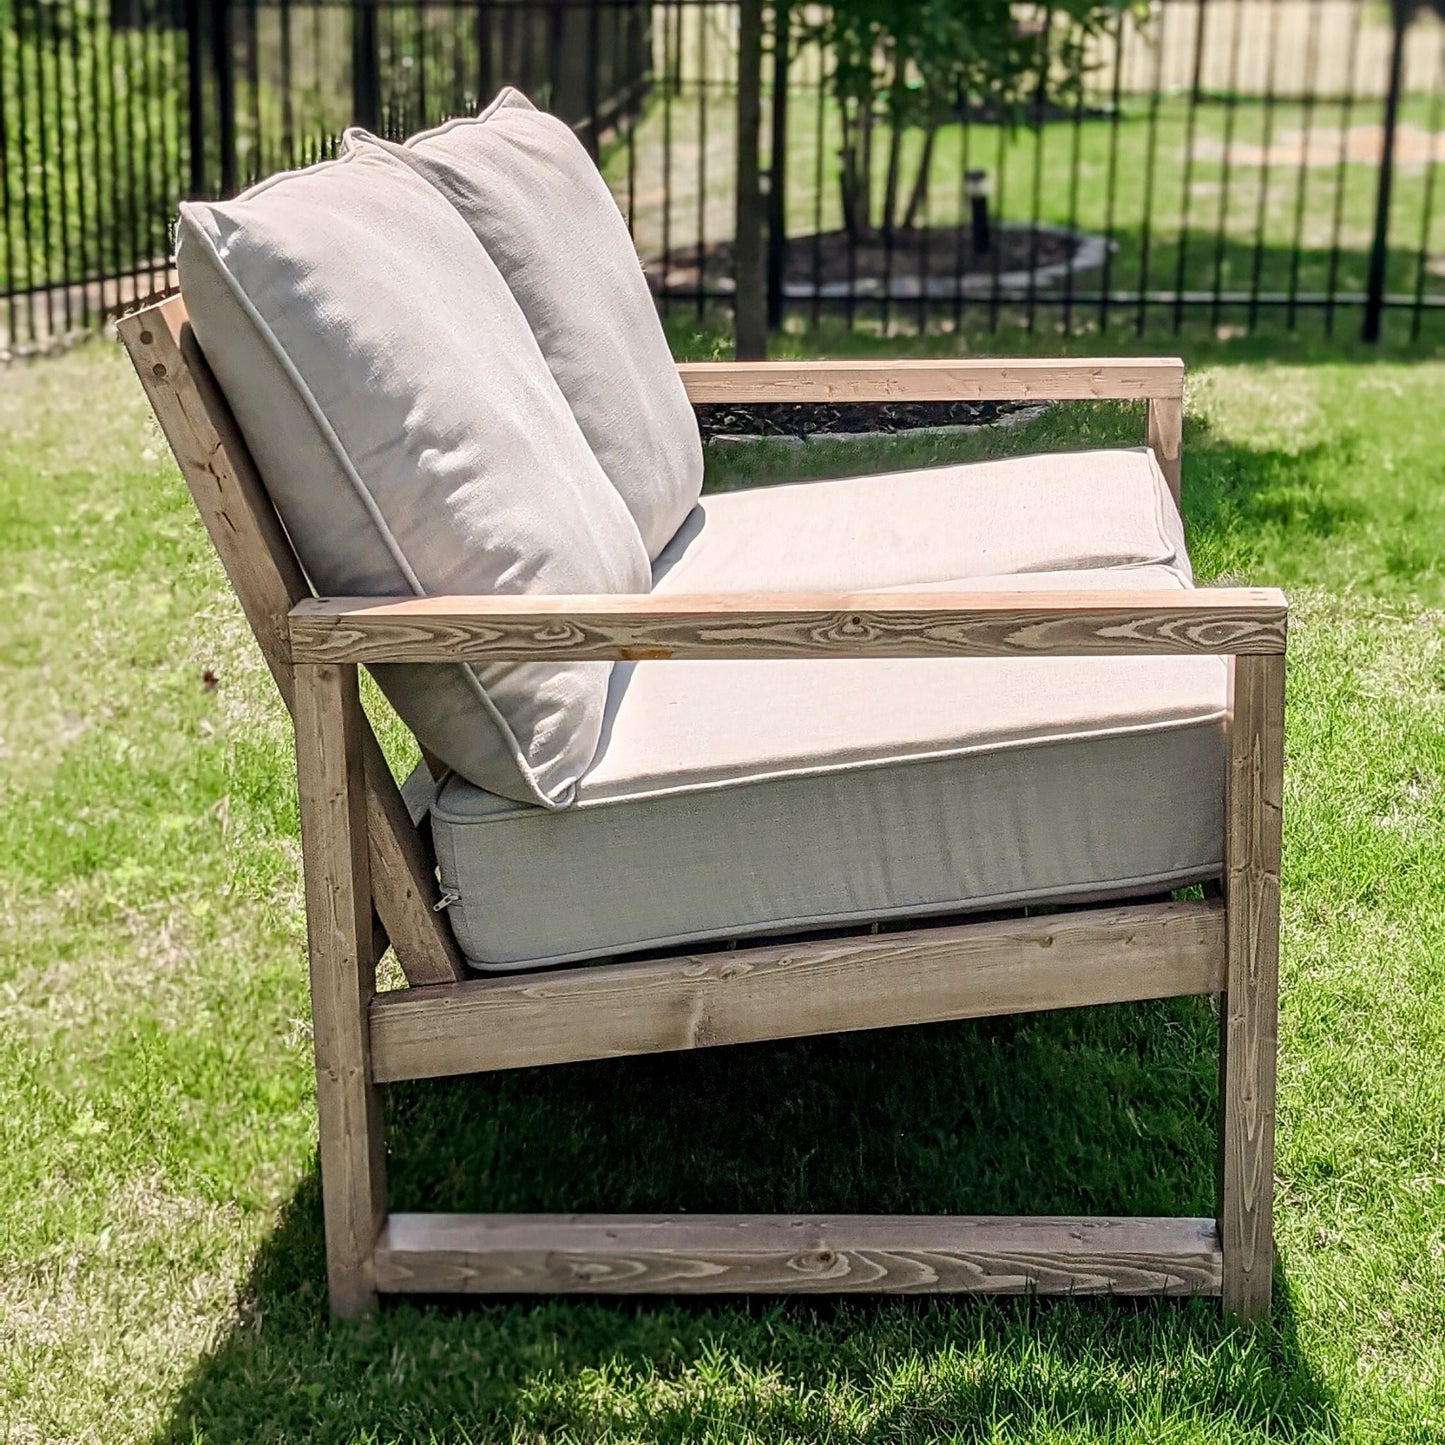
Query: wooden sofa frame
(370, 881)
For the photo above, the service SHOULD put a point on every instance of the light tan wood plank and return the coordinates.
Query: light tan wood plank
(945, 379)
(257, 556)
(782, 625)
(1164, 433)
(870, 981)
(816, 1254)
(1250, 1018)
(329, 771)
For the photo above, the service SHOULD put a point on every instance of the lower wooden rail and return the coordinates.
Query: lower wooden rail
(777, 991)
(768, 1254)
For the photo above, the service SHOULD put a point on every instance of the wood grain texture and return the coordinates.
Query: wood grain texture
(815, 1254)
(257, 556)
(783, 625)
(1164, 433)
(870, 981)
(946, 379)
(329, 772)
(1249, 1027)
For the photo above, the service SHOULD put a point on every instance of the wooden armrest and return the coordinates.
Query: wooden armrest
(971, 379)
(781, 625)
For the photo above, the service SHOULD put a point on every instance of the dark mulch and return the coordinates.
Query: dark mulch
(832, 257)
(789, 419)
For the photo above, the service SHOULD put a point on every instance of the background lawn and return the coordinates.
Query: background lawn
(160, 1246)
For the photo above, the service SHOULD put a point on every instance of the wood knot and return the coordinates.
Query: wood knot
(146, 338)
(159, 369)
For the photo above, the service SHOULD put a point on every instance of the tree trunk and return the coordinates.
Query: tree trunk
(920, 181)
(750, 298)
(895, 148)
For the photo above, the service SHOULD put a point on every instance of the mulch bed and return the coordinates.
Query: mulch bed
(789, 419)
(831, 258)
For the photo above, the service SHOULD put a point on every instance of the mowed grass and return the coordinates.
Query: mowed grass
(161, 1274)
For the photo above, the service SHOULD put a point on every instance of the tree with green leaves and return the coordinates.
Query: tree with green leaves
(914, 64)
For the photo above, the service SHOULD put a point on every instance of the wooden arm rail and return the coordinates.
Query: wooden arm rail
(1155, 380)
(1026, 378)
(781, 625)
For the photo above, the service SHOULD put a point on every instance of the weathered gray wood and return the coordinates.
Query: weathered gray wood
(1164, 432)
(816, 1254)
(784, 625)
(1027, 378)
(258, 558)
(925, 975)
(1250, 1017)
(329, 772)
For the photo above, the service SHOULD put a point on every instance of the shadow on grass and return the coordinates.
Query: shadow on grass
(1099, 1111)
(1102, 1111)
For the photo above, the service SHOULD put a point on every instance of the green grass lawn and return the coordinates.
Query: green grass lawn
(161, 1273)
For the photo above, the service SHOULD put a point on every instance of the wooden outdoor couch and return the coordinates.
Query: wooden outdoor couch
(370, 882)
(672, 739)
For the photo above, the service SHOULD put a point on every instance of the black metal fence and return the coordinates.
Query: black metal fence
(1237, 165)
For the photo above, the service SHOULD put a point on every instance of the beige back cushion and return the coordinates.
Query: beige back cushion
(529, 191)
(413, 440)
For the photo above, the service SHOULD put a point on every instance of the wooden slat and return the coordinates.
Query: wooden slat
(782, 625)
(969, 379)
(1164, 432)
(258, 558)
(329, 724)
(811, 1254)
(1250, 1021)
(925, 975)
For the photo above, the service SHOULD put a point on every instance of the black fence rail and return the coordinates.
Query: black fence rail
(1233, 165)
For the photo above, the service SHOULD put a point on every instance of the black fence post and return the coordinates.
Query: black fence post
(778, 167)
(195, 98)
(223, 60)
(1379, 249)
(365, 66)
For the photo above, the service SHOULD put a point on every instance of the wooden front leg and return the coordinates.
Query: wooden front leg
(1249, 1024)
(331, 776)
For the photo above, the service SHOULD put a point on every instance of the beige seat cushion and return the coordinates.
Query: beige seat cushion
(1023, 514)
(730, 799)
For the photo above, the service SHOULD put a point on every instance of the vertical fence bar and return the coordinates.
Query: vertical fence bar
(1181, 266)
(1151, 156)
(816, 259)
(778, 164)
(1341, 171)
(1262, 215)
(44, 276)
(22, 97)
(1230, 107)
(223, 62)
(9, 290)
(1075, 147)
(1428, 204)
(962, 103)
(995, 259)
(195, 99)
(1037, 199)
(1312, 52)
(1111, 185)
(700, 18)
(365, 65)
(671, 25)
(1379, 252)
